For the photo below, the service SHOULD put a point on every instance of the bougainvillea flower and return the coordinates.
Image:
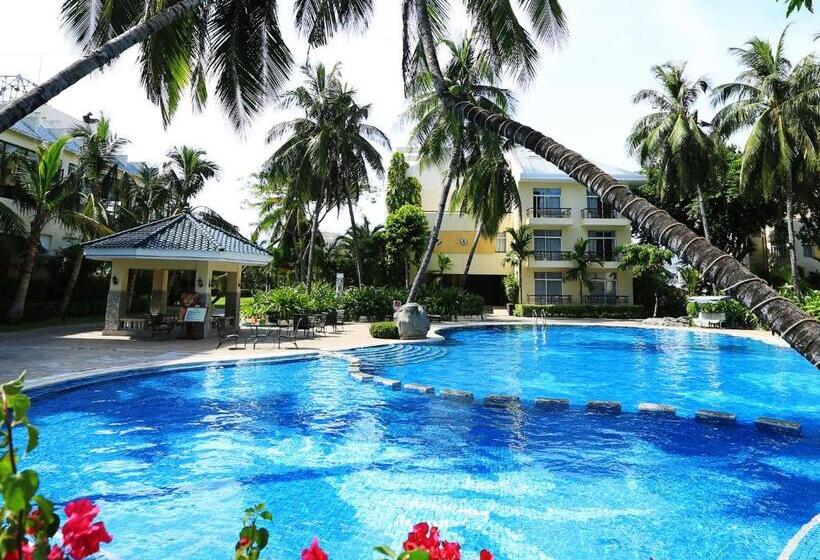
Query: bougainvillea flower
(314, 551)
(80, 534)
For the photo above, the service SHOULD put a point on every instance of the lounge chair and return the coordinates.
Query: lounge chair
(709, 320)
(225, 336)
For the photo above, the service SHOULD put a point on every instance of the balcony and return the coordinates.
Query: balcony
(550, 216)
(607, 256)
(602, 216)
(606, 299)
(550, 255)
(549, 300)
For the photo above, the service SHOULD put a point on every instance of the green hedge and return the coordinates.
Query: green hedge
(384, 329)
(42, 310)
(582, 311)
(737, 316)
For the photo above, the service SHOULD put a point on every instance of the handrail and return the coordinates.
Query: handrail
(549, 212)
(602, 213)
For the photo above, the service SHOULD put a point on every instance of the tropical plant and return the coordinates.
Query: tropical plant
(582, 261)
(384, 329)
(649, 263)
(794, 5)
(401, 188)
(143, 198)
(405, 232)
(444, 137)
(444, 264)
(780, 103)
(510, 288)
(187, 170)
(672, 138)
(42, 193)
(518, 252)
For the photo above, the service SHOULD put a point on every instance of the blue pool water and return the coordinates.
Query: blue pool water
(687, 369)
(173, 458)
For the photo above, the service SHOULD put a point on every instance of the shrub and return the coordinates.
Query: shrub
(582, 311)
(511, 288)
(384, 329)
(287, 300)
(374, 303)
(737, 316)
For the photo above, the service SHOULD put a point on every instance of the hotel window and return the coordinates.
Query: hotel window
(549, 287)
(594, 209)
(602, 244)
(546, 203)
(603, 284)
(547, 244)
(808, 250)
(501, 243)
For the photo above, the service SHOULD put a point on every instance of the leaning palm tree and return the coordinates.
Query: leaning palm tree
(42, 193)
(187, 170)
(443, 137)
(780, 103)
(582, 261)
(672, 139)
(518, 252)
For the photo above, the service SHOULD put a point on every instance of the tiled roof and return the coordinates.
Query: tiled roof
(177, 235)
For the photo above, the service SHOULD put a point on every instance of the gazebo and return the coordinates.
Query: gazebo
(183, 242)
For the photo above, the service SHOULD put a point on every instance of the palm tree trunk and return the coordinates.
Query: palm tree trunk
(796, 327)
(470, 256)
(314, 228)
(15, 311)
(703, 220)
(72, 281)
(94, 60)
(792, 244)
(655, 310)
(521, 281)
(353, 238)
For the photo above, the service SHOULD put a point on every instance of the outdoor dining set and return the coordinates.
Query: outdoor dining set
(273, 329)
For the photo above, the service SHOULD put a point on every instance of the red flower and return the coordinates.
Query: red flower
(243, 543)
(80, 535)
(56, 553)
(427, 538)
(485, 555)
(314, 552)
(28, 553)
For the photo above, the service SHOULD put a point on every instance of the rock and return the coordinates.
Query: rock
(412, 321)
(667, 321)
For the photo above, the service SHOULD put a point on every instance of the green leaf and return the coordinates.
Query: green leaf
(20, 404)
(386, 550)
(33, 437)
(14, 387)
(266, 515)
(262, 537)
(19, 488)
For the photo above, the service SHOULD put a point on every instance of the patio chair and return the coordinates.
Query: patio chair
(710, 320)
(159, 325)
(225, 336)
(301, 322)
(289, 334)
(340, 320)
(331, 318)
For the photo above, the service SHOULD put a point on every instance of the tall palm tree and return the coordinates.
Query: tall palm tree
(144, 198)
(187, 170)
(444, 137)
(780, 103)
(672, 138)
(518, 252)
(582, 261)
(44, 195)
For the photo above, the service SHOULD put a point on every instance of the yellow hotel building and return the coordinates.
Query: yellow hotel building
(559, 211)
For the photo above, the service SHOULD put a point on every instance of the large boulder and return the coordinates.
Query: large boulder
(412, 321)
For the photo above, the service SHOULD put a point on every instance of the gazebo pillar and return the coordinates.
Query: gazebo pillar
(115, 307)
(202, 287)
(232, 295)
(159, 291)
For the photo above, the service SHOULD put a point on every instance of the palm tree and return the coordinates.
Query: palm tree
(43, 194)
(186, 172)
(519, 251)
(649, 263)
(141, 200)
(363, 239)
(780, 103)
(672, 138)
(444, 137)
(582, 260)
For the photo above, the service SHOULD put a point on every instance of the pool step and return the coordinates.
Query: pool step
(502, 401)
(778, 426)
(456, 395)
(604, 407)
(551, 404)
(657, 409)
(715, 417)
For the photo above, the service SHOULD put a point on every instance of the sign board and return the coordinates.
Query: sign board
(195, 314)
(340, 284)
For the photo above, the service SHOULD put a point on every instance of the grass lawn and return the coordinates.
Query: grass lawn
(53, 322)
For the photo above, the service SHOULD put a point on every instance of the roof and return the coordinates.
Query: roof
(183, 236)
(532, 167)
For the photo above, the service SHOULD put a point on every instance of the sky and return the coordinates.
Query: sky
(581, 95)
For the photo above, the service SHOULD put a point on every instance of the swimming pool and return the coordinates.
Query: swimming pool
(357, 465)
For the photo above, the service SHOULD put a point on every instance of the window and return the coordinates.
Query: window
(603, 284)
(547, 244)
(546, 203)
(549, 288)
(501, 243)
(593, 204)
(808, 250)
(602, 244)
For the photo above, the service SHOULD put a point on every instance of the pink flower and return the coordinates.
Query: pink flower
(243, 543)
(427, 538)
(314, 552)
(56, 553)
(485, 555)
(80, 535)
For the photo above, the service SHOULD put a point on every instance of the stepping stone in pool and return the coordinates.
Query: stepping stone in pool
(416, 388)
(778, 426)
(604, 407)
(361, 376)
(394, 384)
(715, 417)
(456, 395)
(657, 409)
(551, 404)
(502, 401)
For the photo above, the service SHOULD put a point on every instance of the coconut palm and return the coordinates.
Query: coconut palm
(443, 137)
(144, 198)
(43, 194)
(582, 261)
(780, 103)
(187, 170)
(672, 139)
(518, 252)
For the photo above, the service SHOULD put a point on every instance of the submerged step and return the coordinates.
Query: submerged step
(502, 401)
(456, 395)
(605, 407)
(361, 376)
(715, 417)
(394, 384)
(656, 408)
(551, 404)
(778, 426)
(416, 388)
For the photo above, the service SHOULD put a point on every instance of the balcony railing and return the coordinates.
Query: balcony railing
(606, 299)
(603, 213)
(608, 255)
(549, 212)
(550, 255)
(549, 300)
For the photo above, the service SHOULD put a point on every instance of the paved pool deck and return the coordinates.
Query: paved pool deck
(60, 353)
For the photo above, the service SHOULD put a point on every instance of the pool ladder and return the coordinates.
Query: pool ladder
(539, 316)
